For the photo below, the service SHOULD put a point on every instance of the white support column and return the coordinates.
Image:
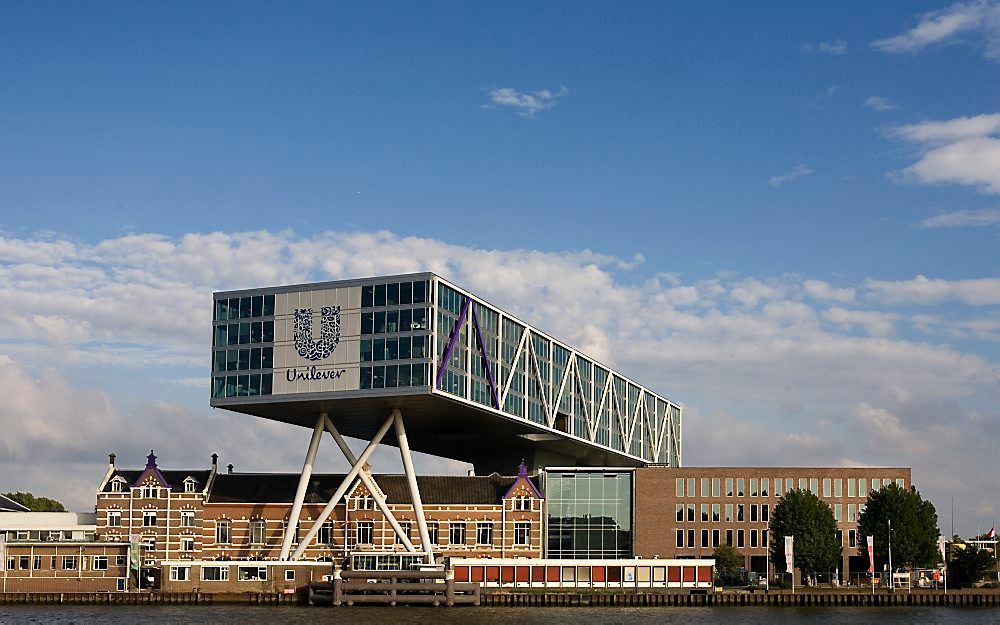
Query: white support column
(300, 492)
(342, 489)
(411, 478)
(369, 483)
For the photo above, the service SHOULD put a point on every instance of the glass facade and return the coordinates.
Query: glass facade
(395, 335)
(243, 346)
(589, 514)
(494, 360)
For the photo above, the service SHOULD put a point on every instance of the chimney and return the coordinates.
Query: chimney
(215, 460)
(230, 467)
(111, 460)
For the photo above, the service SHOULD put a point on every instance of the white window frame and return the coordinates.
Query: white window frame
(100, 563)
(150, 492)
(187, 543)
(362, 528)
(148, 514)
(522, 533)
(259, 575)
(223, 573)
(180, 573)
(258, 532)
(484, 529)
(289, 575)
(228, 532)
(187, 518)
(114, 518)
(190, 485)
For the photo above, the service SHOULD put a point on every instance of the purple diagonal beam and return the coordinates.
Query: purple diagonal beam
(451, 342)
(486, 359)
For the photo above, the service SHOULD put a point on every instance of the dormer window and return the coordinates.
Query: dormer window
(522, 503)
(150, 492)
(117, 485)
(190, 485)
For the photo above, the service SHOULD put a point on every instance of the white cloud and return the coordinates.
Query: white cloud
(980, 18)
(796, 172)
(837, 47)
(963, 219)
(924, 290)
(819, 289)
(964, 150)
(879, 104)
(765, 368)
(526, 104)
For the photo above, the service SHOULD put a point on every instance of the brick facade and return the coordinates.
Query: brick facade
(687, 512)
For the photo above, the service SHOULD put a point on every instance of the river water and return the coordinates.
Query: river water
(252, 615)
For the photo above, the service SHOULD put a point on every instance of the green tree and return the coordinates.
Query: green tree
(810, 520)
(968, 564)
(36, 504)
(728, 562)
(914, 528)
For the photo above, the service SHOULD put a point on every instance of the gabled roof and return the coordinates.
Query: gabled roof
(434, 489)
(9, 505)
(169, 477)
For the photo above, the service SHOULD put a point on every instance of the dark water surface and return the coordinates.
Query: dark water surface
(251, 615)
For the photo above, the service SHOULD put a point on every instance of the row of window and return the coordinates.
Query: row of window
(737, 487)
(365, 533)
(712, 513)
(242, 385)
(394, 348)
(243, 333)
(69, 563)
(394, 376)
(243, 359)
(221, 574)
(45, 535)
(711, 538)
(149, 518)
(118, 484)
(391, 321)
(244, 307)
(394, 294)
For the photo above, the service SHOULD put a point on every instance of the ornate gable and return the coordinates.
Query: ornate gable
(522, 486)
(151, 475)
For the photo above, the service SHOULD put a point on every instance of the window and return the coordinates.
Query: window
(753, 538)
(705, 486)
(289, 575)
(704, 513)
(37, 564)
(803, 483)
(704, 538)
(716, 509)
(11, 561)
(838, 487)
(257, 532)
(149, 544)
(484, 533)
(679, 509)
(120, 560)
(814, 485)
(875, 484)
(187, 518)
(753, 512)
(117, 485)
(434, 532)
(150, 492)
(680, 487)
(522, 532)
(852, 538)
(456, 533)
(222, 533)
(366, 503)
(740, 513)
(740, 542)
(764, 512)
(852, 488)
(838, 511)
(901, 483)
(24, 563)
(69, 563)
(740, 487)
(852, 512)
(690, 539)
(729, 513)
(729, 487)
(325, 534)
(715, 487)
(763, 539)
(187, 543)
(680, 538)
(189, 485)
(522, 503)
(149, 518)
(763, 486)
(407, 527)
(777, 487)
(826, 487)
(100, 563)
(114, 518)
(754, 486)
(365, 532)
(729, 537)
(690, 487)
(251, 573)
(215, 573)
(180, 573)
(862, 490)
(789, 484)
(690, 513)
(715, 538)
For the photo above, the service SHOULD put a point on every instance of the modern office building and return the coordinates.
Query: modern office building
(688, 512)
(449, 373)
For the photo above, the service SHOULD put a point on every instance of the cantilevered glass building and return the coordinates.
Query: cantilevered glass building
(474, 382)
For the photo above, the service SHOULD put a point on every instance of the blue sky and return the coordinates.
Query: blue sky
(788, 173)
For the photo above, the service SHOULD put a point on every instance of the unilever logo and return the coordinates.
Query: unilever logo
(305, 344)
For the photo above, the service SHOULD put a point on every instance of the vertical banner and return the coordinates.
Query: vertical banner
(789, 553)
(871, 554)
(133, 553)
